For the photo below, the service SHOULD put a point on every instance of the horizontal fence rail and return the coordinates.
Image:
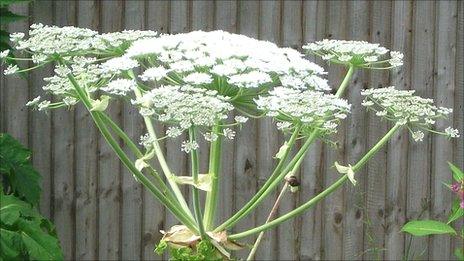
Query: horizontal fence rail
(101, 212)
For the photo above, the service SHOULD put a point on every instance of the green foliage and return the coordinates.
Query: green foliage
(427, 227)
(25, 234)
(456, 211)
(203, 250)
(16, 169)
(458, 174)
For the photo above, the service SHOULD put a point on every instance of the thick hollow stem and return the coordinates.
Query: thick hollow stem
(323, 194)
(195, 192)
(250, 205)
(127, 162)
(214, 168)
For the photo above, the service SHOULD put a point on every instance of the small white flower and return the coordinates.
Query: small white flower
(173, 132)
(154, 74)
(15, 37)
(11, 69)
(146, 141)
(228, 133)
(198, 78)
(120, 87)
(4, 54)
(282, 125)
(43, 105)
(241, 119)
(33, 102)
(418, 136)
(452, 133)
(188, 146)
(371, 58)
(345, 58)
(70, 101)
(210, 136)
(118, 64)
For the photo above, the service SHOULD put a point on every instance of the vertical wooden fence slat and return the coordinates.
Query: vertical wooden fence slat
(268, 137)
(131, 207)
(245, 140)
(16, 97)
(418, 195)
(312, 166)
(445, 54)
(291, 36)
(63, 154)
(176, 158)
(395, 202)
(353, 223)
(86, 159)
(333, 205)
(109, 179)
(459, 105)
(375, 197)
(40, 122)
(226, 19)
(202, 18)
(157, 16)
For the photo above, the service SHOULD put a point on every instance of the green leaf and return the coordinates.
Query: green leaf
(427, 227)
(459, 253)
(16, 168)
(456, 211)
(10, 244)
(11, 208)
(9, 17)
(39, 245)
(458, 175)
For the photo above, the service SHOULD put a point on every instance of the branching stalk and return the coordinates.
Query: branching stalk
(323, 194)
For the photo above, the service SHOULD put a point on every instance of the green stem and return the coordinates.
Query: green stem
(108, 121)
(273, 181)
(162, 160)
(214, 168)
(195, 192)
(126, 161)
(346, 80)
(159, 182)
(323, 194)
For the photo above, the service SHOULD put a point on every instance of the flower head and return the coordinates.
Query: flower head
(184, 106)
(218, 59)
(356, 53)
(311, 109)
(405, 108)
(120, 87)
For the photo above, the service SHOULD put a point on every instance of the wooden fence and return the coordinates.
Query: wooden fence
(101, 212)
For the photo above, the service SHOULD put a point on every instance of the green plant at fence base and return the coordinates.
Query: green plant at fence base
(24, 233)
(434, 227)
(191, 83)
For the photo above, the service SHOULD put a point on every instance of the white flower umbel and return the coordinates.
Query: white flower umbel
(311, 109)
(221, 61)
(120, 87)
(356, 53)
(184, 106)
(403, 107)
(118, 65)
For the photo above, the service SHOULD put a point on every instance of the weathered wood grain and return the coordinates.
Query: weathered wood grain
(86, 159)
(109, 178)
(395, 202)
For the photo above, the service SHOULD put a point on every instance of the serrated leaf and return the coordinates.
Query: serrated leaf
(427, 227)
(458, 175)
(16, 168)
(11, 208)
(9, 17)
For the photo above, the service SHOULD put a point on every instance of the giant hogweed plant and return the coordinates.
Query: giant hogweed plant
(190, 83)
